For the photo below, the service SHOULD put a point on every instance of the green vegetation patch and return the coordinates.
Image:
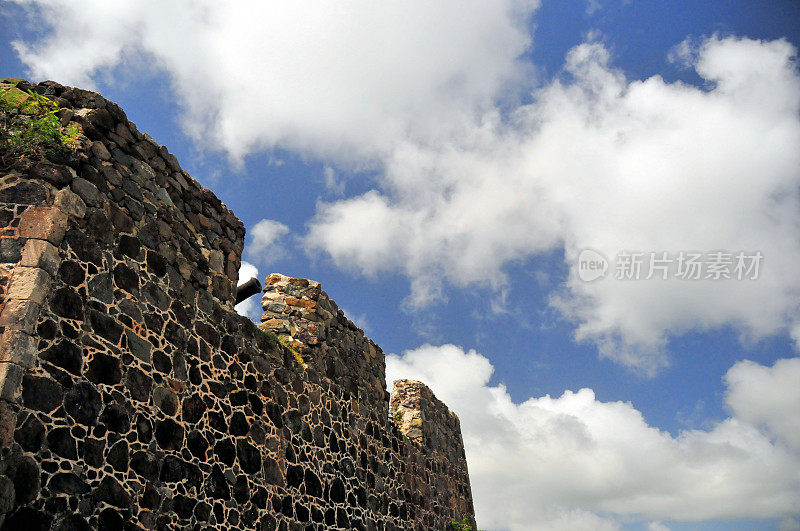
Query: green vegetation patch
(30, 128)
(463, 525)
(397, 418)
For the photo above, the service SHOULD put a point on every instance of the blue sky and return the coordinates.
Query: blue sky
(438, 167)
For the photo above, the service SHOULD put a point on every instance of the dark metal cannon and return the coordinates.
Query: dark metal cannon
(247, 290)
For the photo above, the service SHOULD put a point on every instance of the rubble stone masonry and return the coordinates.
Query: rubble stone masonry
(132, 396)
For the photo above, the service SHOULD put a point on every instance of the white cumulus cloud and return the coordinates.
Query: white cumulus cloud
(768, 397)
(346, 79)
(574, 462)
(603, 162)
(265, 240)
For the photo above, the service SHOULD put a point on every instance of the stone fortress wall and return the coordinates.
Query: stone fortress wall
(132, 396)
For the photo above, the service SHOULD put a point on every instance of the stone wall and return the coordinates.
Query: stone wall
(133, 397)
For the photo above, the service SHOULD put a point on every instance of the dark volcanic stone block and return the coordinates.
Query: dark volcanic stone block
(217, 486)
(64, 354)
(197, 445)
(105, 326)
(66, 302)
(61, 442)
(225, 451)
(84, 247)
(24, 473)
(129, 246)
(126, 278)
(146, 465)
(118, 456)
(67, 483)
(249, 457)
(193, 409)
(104, 369)
(115, 418)
(30, 434)
(29, 519)
(83, 403)
(169, 434)
(55, 174)
(11, 250)
(42, 394)
(24, 193)
(111, 492)
(138, 384)
(110, 520)
(71, 273)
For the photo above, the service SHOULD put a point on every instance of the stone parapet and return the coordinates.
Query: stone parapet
(305, 319)
(297, 310)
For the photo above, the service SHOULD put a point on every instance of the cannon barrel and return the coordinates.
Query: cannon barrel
(247, 290)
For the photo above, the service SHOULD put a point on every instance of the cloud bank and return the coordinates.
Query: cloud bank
(602, 162)
(344, 80)
(576, 463)
(468, 182)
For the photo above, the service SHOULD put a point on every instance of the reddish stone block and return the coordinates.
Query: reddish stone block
(43, 224)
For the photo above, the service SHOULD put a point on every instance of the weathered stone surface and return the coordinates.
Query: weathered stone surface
(61, 442)
(8, 422)
(41, 394)
(7, 496)
(149, 404)
(71, 273)
(11, 249)
(42, 254)
(169, 434)
(129, 246)
(20, 315)
(24, 193)
(55, 174)
(18, 347)
(66, 355)
(86, 191)
(84, 247)
(100, 151)
(115, 418)
(30, 434)
(29, 519)
(10, 381)
(126, 278)
(83, 403)
(69, 202)
(139, 384)
(111, 492)
(146, 465)
(105, 326)
(118, 456)
(101, 287)
(139, 347)
(66, 302)
(29, 283)
(44, 224)
(24, 473)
